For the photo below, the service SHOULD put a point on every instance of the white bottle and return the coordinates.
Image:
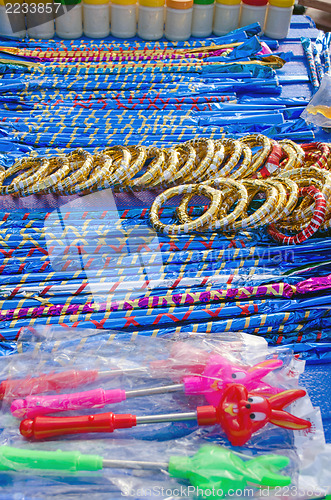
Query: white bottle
(70, 24)
(178, 20)
(12, 19)
(96, 18)
(202, 20)
(40, 19)
(253, 11)
(151, 19)
(226, 16)
(123, 18)
(278, 18)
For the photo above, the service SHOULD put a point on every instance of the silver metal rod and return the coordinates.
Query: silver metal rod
(170, 417)
(134, 464)
(242, 455)
(113, 373)
(155, 390)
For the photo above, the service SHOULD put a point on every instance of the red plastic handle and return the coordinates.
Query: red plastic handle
(46, 383)
(47, 427)
(207, 415)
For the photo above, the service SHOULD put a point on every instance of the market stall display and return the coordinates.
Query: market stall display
(164, 228)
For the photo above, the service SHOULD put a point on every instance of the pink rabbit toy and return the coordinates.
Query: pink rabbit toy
(211, 381)
(219, 372)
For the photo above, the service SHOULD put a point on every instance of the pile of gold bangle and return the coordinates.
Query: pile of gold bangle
(294, 182)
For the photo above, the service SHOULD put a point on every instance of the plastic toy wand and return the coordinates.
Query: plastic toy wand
(211, 467)
(218, 372)
(239, 412)
(180, 360)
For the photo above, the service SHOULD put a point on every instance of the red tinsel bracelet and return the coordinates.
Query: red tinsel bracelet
(272, 162)
(321, 158)
(316, 221)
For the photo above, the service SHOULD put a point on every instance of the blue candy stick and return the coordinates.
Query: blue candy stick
(307, 47)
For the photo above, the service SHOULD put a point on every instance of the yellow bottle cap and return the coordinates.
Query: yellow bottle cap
(282, 3)
(151, 3)
(96, 2)
(228, 2)
(180, 4)
(124, 2)
(41, 1)
(11, 2)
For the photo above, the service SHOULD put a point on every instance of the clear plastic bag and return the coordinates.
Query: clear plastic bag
(318, 110)
(142, 364)
(96, 374)
(161, 472)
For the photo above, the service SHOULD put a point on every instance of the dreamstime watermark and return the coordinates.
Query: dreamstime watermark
(101, 250)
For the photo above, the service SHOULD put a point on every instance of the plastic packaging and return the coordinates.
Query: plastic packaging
(216, 366)
(131, 468)
(320, 50)
(226, 16)
(198, 364)
(202, 18)
(211, 466)
(178, 19)
(278, 18)
(70, 24)
(314, 474)
(318, 110)
(12, 19)
(96, 18)
(307, 46)
(123, 18)
(40, 19)
(171, 359)
(175, 450)
(253, 11)
(151, 19)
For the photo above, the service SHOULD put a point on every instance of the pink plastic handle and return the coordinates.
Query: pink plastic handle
(33, 406)
(13, 388)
